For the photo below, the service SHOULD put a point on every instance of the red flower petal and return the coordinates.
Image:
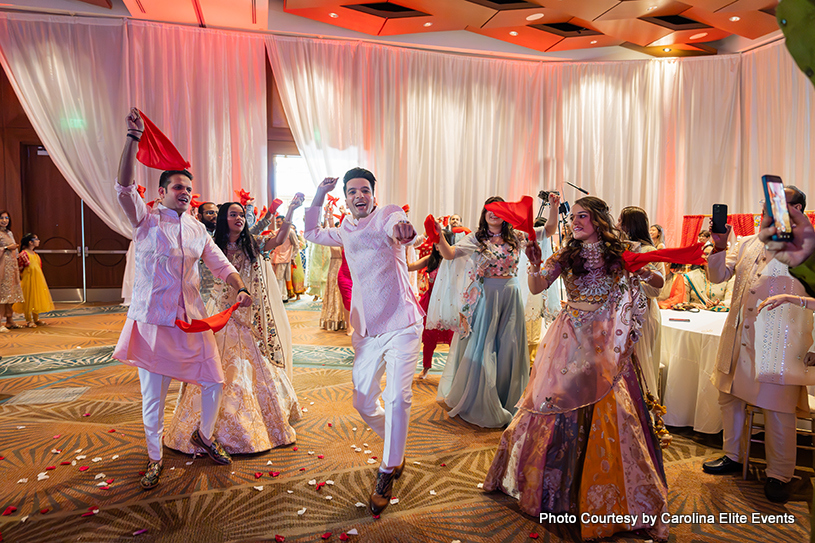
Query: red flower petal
(112, 430)
(109, 481)
(2, 457)
(443, 465)
(44, 511)
(105, 487)
(57, 436)
(374, 457)
(326, 535)
(141, 473)
(274, 473)
(9, 510)
(84, 468)
(294, 448)
(51, 467)
(320, 456)
(302, 469)
(66, 463)
(329, 425)
(279, 538)
(534, 535)
(376, 516)
(343, 537)
(258, 475)
(86, 414)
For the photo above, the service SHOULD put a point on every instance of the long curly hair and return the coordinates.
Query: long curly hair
(634, 224)
(482, 234)
(245, 241)
(607, 233)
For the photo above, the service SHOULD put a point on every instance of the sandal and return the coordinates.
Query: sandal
(151, 475)
(30, 325)
(40, 323)
(12, 326)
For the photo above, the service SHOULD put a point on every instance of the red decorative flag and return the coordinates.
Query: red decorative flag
(244, 196)
(263, 211)
(518, 214)
(277, 202)
(214, 323)
(332, 200)
(157, 151)
(445, 220)
(460, 229)
(141, 190)
(430, 229)
(692, 254)
(406, 208)
(195, 203)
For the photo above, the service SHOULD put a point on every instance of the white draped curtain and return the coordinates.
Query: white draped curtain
(77, 78)
(443, 132)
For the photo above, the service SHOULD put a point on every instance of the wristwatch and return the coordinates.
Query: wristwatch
(244, 289)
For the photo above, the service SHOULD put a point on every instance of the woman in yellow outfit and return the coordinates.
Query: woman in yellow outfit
(35, 289)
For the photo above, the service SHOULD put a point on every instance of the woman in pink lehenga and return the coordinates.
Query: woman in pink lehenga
(582, 441)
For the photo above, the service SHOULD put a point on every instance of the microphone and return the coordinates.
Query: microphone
(584, 191)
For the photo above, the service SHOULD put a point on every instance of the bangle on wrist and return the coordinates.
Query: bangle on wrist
(133, 137)
(244, 289)
(803, 302)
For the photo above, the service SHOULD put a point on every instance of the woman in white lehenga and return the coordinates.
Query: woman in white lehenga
(259, 403)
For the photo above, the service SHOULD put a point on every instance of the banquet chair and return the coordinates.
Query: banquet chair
(751, 424)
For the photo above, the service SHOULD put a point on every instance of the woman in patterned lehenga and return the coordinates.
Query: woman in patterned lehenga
(582, 441)
(10, 290)
(259, 403)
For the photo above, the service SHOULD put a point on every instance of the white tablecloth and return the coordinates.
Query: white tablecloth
(689, 354)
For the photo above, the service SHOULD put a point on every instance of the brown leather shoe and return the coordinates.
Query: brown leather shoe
(397, 472)
(383, 490)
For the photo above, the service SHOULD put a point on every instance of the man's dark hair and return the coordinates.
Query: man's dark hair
(798, 197)
(164, 180)
(354, 173)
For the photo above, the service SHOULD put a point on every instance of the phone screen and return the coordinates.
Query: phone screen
(777, 204)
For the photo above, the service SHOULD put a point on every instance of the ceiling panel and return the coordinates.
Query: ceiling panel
(750, 24)
(588, 10)
(643, 8)
(519, 17)
(526, 36)
(248, 14)
(635, 31)
(182, 12)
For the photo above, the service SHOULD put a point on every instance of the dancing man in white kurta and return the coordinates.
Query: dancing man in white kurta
(168, 244)
(386, 318)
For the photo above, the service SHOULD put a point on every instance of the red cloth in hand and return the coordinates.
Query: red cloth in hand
(460, 229)
(214, 323)
(691, 254)
(277, 202)
(244, 196)
(141, 190)
(430, 229)
(518, 214)
(157, 151)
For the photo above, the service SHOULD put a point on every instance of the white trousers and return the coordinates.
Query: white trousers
(779, 436)
(396, 354)
(153, 396)
(283, 274)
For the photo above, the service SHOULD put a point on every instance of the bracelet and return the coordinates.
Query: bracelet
(803, 302)
(131, 136)
(244, 289)
(534, 273)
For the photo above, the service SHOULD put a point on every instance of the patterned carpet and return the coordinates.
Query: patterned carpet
(94, 420)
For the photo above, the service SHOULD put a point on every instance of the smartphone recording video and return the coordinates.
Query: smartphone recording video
(776, 206)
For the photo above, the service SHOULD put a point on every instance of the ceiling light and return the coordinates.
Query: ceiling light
(593, 42)
(652, 8)
(699, 35)
(666, 49)
(428, 24)
(513, 33)
(534, 17)
(735, 19)
(333, 15)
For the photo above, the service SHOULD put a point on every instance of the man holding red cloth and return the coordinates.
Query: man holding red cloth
(169, 243)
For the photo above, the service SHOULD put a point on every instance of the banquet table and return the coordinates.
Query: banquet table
(688, 350)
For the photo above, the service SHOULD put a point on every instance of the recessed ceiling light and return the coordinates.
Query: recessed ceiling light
(333, 15)
(652, 8)
(666, 49)
(735, 19)
(534, 16)
(513, 33)
(428, 24)
(699, 35)
(593, 42)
